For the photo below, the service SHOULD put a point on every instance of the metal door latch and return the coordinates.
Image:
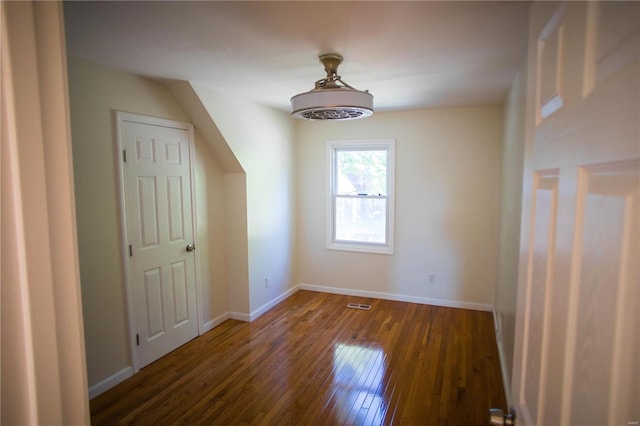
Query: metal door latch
(499, 417)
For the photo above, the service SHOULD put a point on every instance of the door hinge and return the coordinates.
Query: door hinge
(138, 339)
(130, 251)
(124, 155)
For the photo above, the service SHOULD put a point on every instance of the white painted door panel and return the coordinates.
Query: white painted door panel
(577, 335)
(159, 228)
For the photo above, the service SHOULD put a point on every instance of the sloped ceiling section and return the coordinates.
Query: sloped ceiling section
(408, 54)
(191, 103)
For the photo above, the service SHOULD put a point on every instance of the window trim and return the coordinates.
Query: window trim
(360, 145)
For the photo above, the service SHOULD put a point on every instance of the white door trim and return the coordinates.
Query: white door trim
(119, 118)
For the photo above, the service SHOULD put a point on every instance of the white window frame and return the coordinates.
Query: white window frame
(360, 145)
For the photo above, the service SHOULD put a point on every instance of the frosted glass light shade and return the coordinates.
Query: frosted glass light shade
(332, 104)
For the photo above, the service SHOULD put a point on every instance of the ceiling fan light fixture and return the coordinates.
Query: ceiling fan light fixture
(332, 98)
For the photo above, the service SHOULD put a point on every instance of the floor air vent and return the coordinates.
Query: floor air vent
(359, 306)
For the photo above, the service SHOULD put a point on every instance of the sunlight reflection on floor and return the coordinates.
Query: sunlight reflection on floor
(358, 375)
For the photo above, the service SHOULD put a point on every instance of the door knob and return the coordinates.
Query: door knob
(191, 247)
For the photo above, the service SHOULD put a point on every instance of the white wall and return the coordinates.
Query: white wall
(447, 205)
(510, 210)
(95, 92)
(262, 139)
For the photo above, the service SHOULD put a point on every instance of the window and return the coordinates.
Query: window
(360, 207)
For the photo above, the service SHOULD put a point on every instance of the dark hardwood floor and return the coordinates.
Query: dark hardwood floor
(311, 360)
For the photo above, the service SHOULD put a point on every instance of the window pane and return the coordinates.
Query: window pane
(361, 219)
(361, 172)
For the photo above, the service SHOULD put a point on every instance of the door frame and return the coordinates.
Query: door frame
(119, 118)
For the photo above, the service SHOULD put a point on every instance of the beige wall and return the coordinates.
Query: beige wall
(262, 139)
(447, 205)
(510, 210)
(211, 218)
(95, 92)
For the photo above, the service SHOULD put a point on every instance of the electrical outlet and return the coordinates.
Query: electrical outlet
(432, 278)
(266, 282)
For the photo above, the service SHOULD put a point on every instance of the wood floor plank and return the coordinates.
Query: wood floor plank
(311, 360)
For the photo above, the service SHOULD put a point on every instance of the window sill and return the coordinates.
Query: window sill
(360, 247)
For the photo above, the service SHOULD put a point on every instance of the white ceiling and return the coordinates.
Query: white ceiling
(407, 54)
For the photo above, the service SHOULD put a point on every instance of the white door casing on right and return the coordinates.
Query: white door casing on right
(577, 334)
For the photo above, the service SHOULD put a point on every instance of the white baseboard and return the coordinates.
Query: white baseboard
(110, 382)
(398, 297)
(209, 325)
(503, 365)
(239, 316)
(264, 308)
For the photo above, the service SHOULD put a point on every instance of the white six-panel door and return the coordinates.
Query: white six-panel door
(159, 227)
(577, 336)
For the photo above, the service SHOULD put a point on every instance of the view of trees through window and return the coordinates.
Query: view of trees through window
(361, 195)
(362, 172)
